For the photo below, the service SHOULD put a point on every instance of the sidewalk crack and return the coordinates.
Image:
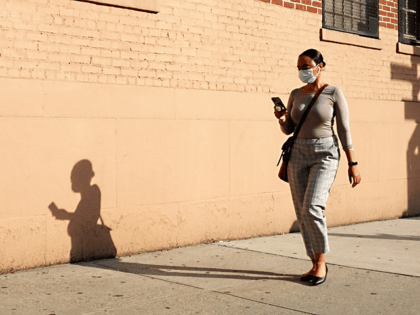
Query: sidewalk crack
(265, 303)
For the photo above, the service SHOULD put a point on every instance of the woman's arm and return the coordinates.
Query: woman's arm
(341, 112)
(354, 174)
(343, 129)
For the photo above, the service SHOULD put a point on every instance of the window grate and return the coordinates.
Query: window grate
(352, 16)
(409, 22)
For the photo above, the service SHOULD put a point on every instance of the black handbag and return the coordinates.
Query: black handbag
(288, 145)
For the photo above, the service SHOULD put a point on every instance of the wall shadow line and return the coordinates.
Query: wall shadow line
(412, 113)
(379, 236)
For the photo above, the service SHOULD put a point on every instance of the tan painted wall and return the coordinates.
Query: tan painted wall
(173, 110)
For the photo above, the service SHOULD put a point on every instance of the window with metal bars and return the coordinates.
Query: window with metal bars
(352, 16)
(409, 22)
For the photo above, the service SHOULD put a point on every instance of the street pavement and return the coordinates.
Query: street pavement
(374, 268)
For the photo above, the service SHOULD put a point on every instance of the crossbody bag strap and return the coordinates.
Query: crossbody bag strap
(303, 118)
(307, 111)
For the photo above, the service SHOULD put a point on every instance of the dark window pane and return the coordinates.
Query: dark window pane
(339, 22)
(409, 22)
(329, 18)
(329, 5)
(353, 16)
(412, 5)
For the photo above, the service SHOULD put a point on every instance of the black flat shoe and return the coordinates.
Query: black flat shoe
(319, 280)
(307, 278)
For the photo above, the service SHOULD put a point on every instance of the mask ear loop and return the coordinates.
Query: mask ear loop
(315, 68)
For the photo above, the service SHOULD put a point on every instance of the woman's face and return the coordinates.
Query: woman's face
(305, 62)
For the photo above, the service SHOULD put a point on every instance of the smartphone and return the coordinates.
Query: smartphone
(279, 104)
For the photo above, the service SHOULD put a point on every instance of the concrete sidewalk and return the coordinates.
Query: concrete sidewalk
(374, 268)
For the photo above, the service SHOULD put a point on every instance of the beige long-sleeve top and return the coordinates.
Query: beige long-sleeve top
(320, 120)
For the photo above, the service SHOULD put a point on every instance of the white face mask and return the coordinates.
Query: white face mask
(307, 76)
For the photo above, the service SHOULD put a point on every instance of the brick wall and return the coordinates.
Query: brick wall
(210, 45)
(388, 14)
(388, 9)
(303, 5)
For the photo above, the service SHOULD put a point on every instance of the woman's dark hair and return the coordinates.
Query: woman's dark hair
(315, 55)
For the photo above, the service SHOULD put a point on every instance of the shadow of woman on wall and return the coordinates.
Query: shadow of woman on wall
(89, 240)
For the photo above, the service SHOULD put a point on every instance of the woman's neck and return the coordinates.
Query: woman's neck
(313, 87)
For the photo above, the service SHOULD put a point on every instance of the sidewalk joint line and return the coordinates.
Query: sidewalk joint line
(194, 287)
(265, 303)
(359, 268)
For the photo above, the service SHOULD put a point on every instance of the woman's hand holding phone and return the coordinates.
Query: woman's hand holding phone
(279, 114)
(280, 110)
(282, 118)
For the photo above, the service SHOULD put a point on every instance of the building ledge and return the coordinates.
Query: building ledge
(408, 49)
(327, 35)
(143, 5)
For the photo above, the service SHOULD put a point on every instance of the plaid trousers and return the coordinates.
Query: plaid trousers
(312, 169)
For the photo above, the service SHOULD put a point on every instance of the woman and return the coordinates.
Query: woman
(315, 155)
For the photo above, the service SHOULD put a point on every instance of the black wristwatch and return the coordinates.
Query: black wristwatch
(352, 163)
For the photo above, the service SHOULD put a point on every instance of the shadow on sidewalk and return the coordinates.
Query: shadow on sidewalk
(193, 272)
